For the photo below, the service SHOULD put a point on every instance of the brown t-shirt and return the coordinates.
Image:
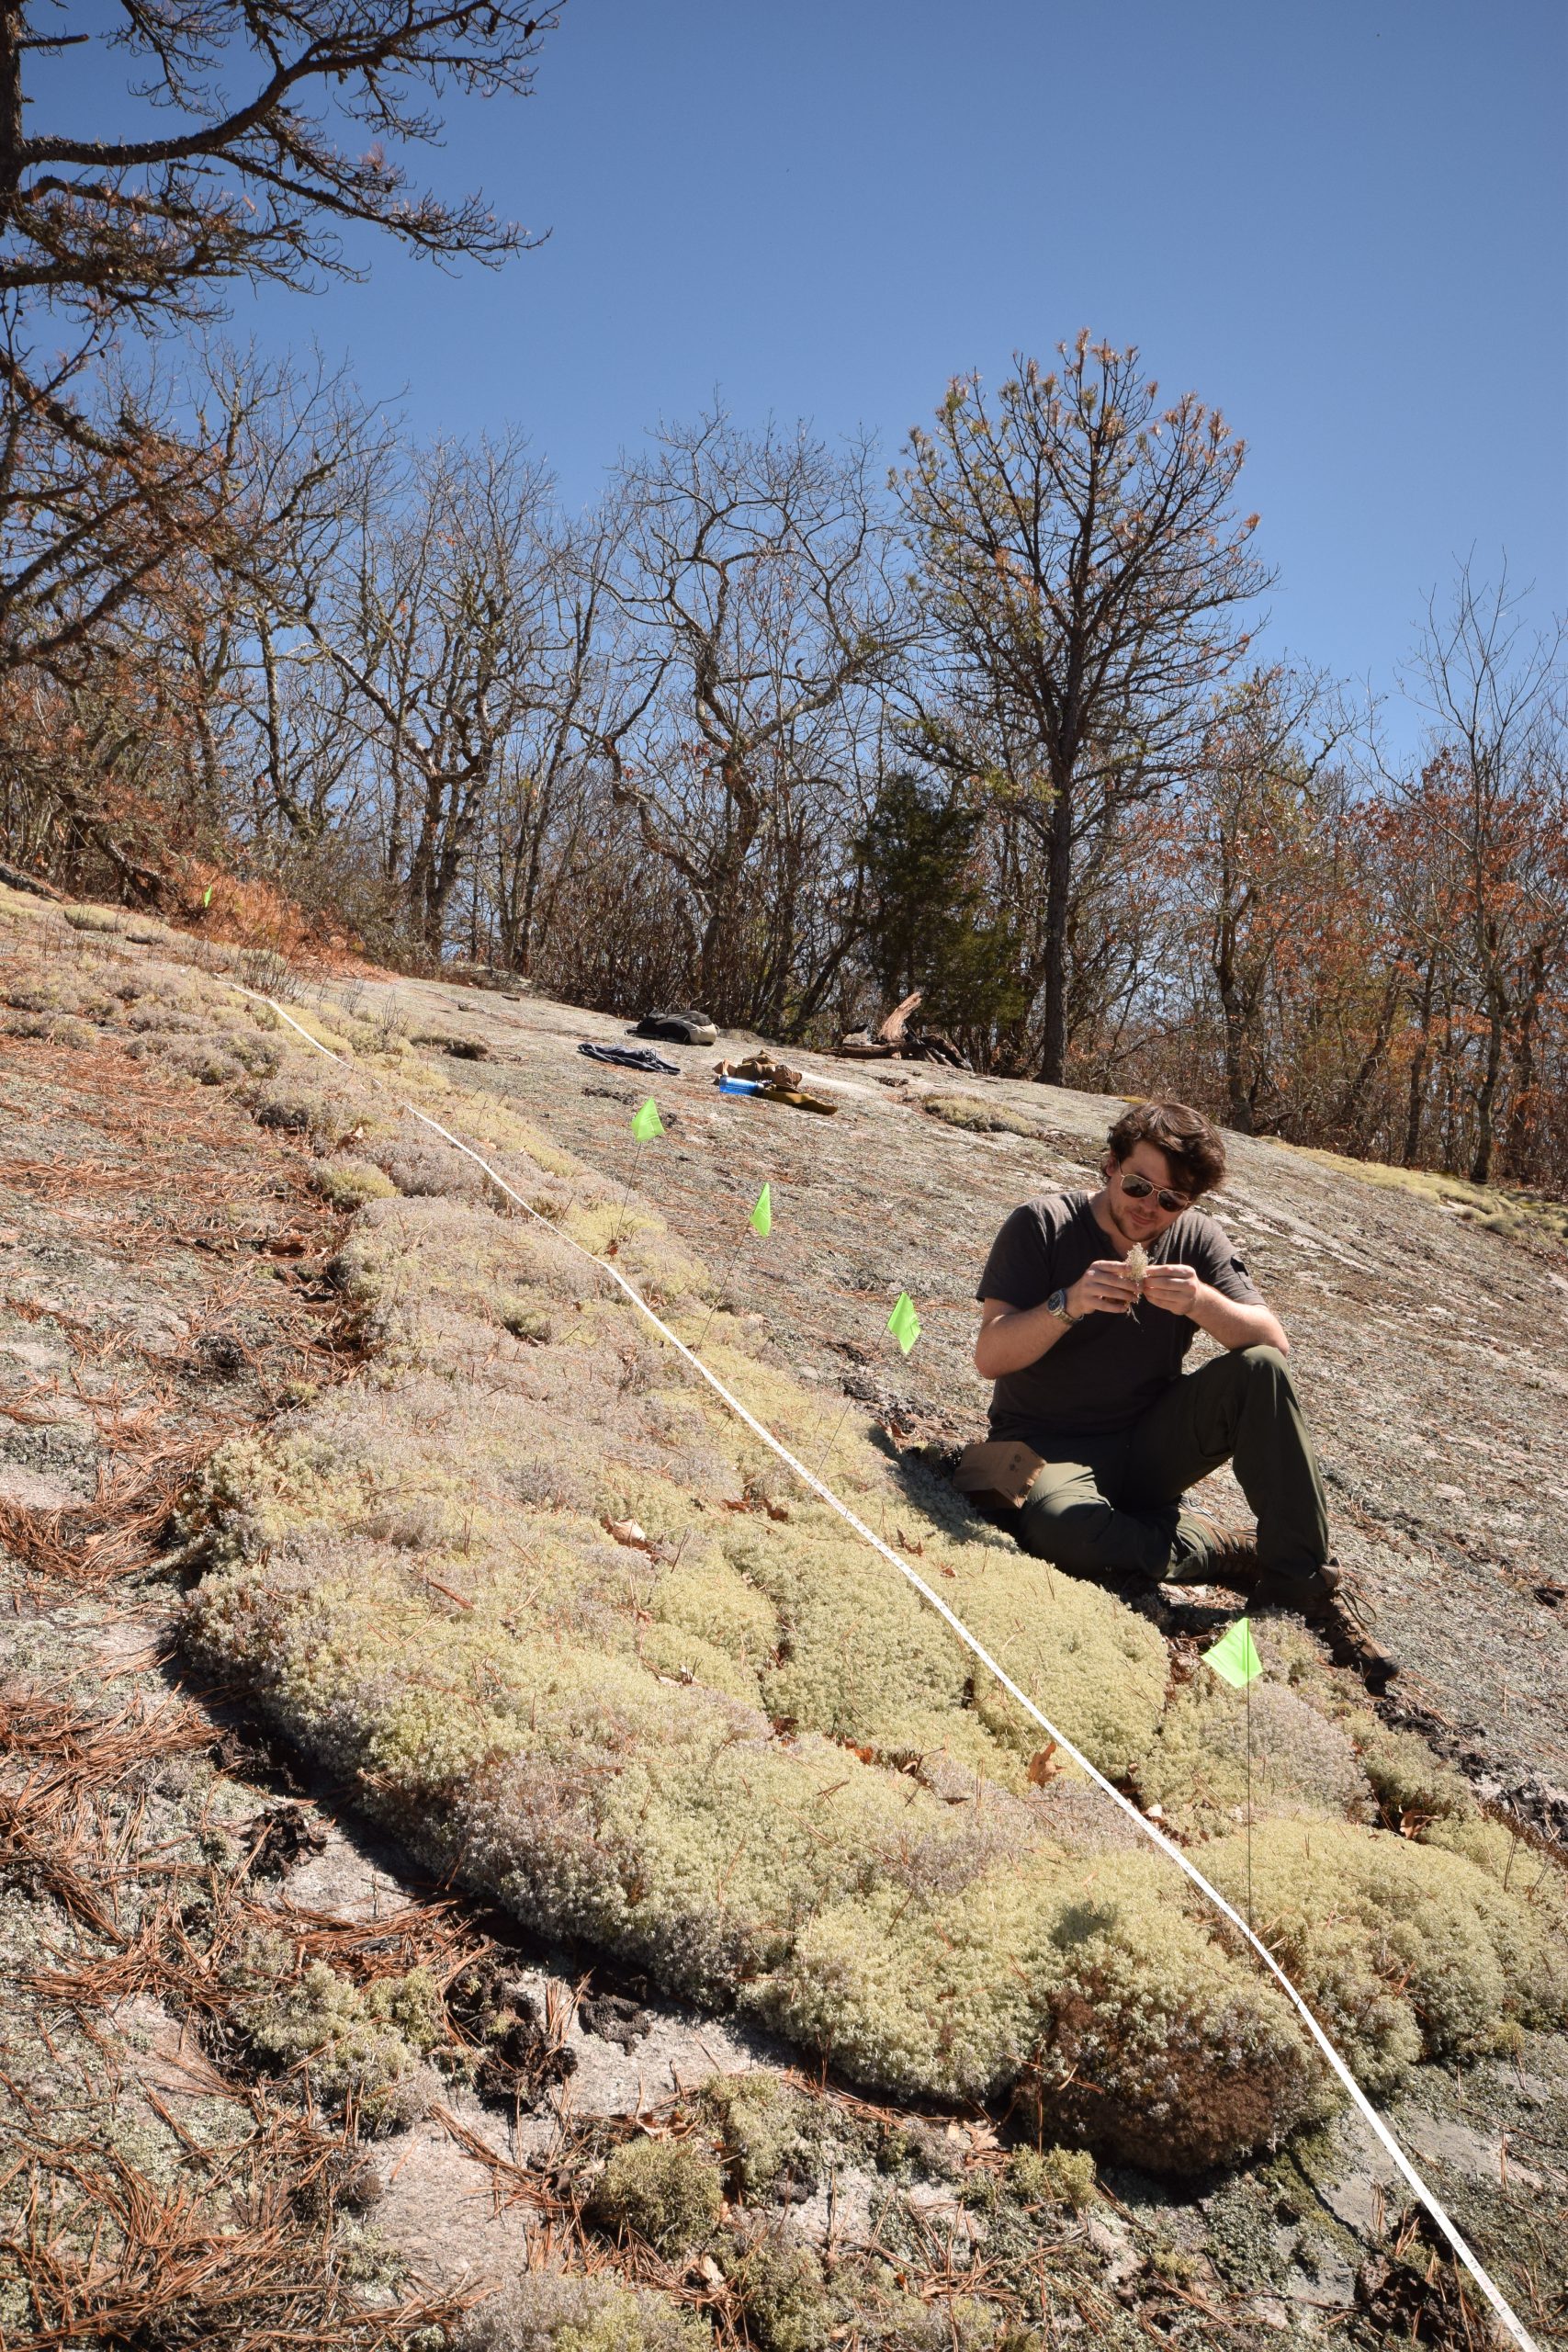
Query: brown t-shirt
(1106, 1372)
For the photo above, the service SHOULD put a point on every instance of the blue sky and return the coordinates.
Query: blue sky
(1344, 222)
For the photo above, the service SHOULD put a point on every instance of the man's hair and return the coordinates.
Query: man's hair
(1193, 1147)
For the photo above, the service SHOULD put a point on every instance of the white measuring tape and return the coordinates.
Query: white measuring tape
(1357, 2096)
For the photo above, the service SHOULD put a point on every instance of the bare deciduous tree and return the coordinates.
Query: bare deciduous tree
(546, 809)
(1496, 788)
(1251, 864)
(758, 624)
(1085, 575)
(445, 632)
(241, 157)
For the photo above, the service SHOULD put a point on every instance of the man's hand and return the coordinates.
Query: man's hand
(1107, 1288)
(1179, 1290)
(1176, 1288)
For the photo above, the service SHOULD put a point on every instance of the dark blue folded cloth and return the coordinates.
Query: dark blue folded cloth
(631, 1057)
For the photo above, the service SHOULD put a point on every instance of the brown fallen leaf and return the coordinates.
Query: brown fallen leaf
(628, 1532)
(1043, 1766)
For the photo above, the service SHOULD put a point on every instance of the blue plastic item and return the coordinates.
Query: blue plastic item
(739, 1086)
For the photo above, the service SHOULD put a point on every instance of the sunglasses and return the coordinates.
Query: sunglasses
(1138, 1188)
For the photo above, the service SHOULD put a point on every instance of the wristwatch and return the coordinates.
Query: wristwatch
(1056, 1305)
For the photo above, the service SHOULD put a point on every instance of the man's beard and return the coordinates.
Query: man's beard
(1119, 1228)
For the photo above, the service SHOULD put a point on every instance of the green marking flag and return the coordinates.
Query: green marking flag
(206, 897)
(903, 1323)
(647, 1122)
(762, 1214)
(1234, 1657)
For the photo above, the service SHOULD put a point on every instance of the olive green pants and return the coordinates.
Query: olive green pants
(1110, 1506)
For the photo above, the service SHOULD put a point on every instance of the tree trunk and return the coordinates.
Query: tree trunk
(1058, 908)
(725, 885)
(1521, 1108)
(1353, 1102)
(13, 38)
(1238, 1103)
(1419, 1067)
(1481, 1167)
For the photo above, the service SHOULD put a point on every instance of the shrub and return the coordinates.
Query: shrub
(665, 2191)
(264, 969)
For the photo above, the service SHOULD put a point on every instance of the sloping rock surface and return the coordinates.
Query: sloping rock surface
(1432, 1354)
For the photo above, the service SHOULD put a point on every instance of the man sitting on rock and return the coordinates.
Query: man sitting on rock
(1087, 1360)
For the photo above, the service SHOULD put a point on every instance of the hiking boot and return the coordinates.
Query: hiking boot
(1337, 1611)
(1347, 1624)
(1229, 1557)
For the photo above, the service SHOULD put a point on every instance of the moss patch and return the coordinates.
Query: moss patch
(532, 1593)
(1197, 1768)
(667, 2192)
(364, 2046)
(981, 1118)
(1052, 2177)
(1405, 1950)
(543, 2311)
(1496, 1208)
